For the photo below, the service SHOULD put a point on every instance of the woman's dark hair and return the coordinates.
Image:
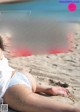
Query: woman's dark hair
(1, 43)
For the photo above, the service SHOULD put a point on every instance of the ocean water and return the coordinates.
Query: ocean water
(40, 25)
(46, 8)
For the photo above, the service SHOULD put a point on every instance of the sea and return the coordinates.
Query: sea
(48, 8)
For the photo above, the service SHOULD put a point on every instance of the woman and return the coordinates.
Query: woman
(19, 91)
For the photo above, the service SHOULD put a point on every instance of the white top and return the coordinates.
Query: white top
(5, 75)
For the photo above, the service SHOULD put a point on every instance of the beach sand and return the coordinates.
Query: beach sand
(55, 69)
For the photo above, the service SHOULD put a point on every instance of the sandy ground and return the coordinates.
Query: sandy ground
(54, 70)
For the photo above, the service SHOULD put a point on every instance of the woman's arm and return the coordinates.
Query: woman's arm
(14, 1)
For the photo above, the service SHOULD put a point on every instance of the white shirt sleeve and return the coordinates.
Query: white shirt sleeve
(4, 65)
(5, 75)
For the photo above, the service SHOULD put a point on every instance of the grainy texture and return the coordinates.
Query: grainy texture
(55, 69)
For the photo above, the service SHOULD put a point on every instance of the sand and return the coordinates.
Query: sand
(54, 69)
